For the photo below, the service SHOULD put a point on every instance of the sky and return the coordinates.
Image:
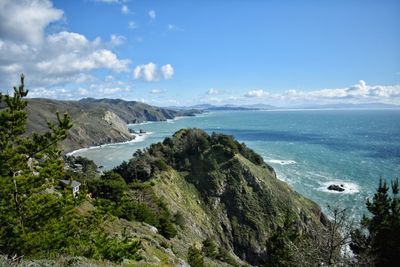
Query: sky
(174, 53)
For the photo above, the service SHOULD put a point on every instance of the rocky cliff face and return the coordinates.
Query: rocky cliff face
(95, 122)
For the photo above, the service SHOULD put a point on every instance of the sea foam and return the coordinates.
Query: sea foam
(349, 187)
(138, 138)
(281, 162)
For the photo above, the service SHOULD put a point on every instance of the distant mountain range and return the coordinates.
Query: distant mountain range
(210, 107)
(225, 107)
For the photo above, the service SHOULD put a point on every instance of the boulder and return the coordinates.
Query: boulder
(335, 187)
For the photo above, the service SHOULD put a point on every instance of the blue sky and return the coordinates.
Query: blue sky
(170, 52)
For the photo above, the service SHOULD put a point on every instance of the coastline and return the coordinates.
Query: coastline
(138, 139)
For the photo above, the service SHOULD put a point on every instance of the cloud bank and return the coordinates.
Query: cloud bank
(358, 93)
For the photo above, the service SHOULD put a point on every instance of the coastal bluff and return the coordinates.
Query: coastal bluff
(95, 121)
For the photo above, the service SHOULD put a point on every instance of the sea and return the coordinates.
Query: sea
(309, 149)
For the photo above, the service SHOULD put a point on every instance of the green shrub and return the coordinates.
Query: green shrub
(210, 248)
(109, 186)
(195, 258)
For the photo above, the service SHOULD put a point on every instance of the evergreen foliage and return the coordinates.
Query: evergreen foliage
(381, 244)
(210, 248)
(36, 219)
(109, 186)
(281, 246)
(28, 166)
(195, 257)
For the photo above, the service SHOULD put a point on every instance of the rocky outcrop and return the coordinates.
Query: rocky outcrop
(335, 187)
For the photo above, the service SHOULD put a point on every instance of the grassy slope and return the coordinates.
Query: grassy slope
(241, 210)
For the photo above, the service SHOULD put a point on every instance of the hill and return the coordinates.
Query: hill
(95, 121)
(224, 193)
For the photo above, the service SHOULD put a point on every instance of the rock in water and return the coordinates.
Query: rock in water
(335, 187)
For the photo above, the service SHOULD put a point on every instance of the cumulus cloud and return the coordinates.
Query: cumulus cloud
(25, 20)
(256, 93)
(150, 72)
(152, 15)
(58, 58)
(212, 91)
(116, 40)
(146, 72)
(167, 71)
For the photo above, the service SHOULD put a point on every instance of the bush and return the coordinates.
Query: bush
(210, 248)
(179, 219)
(109, 186)
(195, 258)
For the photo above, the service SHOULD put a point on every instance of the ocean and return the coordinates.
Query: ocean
(309, 149)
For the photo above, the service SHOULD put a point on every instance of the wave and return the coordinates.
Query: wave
(138, 138)
(141, 123)
(281, 162)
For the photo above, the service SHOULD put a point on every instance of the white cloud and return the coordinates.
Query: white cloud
(212, 91)
(150, 72)
(25, 21)
(358, 93)
(125, 9)
(146, 72)
(256, 93)
(173, 27)
(116, 40)
(71, 53)
(59, 58)
(83, 91)
(152, 15)
(156, 91)
(132, 25)
(167, 71)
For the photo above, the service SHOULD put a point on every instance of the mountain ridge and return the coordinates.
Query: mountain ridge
(259, 106)
(96, 121)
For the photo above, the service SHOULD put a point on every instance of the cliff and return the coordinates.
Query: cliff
(95, 122)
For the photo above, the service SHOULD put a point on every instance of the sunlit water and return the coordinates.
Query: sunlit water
(308, 149)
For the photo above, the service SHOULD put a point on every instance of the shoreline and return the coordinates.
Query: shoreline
(167, 120)
(138, 139)
(137, 136)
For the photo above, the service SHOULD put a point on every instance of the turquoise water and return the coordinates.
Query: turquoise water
(308, 149)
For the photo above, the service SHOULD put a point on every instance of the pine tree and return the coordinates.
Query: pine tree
(28, 165)
(382, 244)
